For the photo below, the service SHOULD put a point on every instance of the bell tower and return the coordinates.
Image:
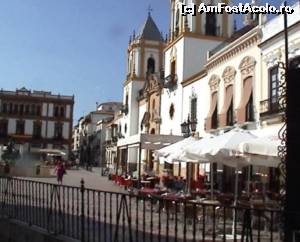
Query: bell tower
(145, 51)
(145, 57)
(202, 24)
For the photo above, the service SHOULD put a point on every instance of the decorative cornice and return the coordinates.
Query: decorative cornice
(249, 39)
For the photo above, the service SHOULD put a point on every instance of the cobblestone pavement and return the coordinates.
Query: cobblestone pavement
(92, 180)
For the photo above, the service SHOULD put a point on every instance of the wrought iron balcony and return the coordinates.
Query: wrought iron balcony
(170, 81)
(269, 106)
(124, 109)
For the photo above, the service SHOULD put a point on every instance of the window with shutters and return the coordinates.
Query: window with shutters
(250, 109)
(37, 130)
(230, 115)
(58, 131)
(214, 119)
(274, 88)
(3, 128)
(20, 127)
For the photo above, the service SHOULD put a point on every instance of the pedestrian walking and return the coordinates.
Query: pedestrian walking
(60, 171)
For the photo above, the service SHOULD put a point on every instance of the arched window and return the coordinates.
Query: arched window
(250, 109)
(230, 114)
(214, 119)
(177, 19)
(153, 104)
(150, 66)
(176, 30)
(211, 24)
(152, 131)
(173, 71)
(193, 107)
(245, 111)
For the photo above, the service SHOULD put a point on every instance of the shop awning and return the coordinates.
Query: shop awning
(51, 152)
(148, 141)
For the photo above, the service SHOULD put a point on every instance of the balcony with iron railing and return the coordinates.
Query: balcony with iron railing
(125, 109)
(270, 107)
(170, 81)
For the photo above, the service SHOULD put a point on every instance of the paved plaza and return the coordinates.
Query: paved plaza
(92, 180)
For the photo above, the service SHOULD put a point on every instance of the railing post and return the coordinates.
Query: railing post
(82, 189)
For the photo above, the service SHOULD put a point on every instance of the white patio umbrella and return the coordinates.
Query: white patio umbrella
(170, 149)
(222, 149)
(168, 153)
(262, 146)
(263, 151)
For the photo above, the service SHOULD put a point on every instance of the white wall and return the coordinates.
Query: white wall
(11, 126)
(50, 111)
(168, 125)
(68, 111)
(195, 53)
(44, 129)
(44, 109)
(66, 129)
(201, 89)
(142, 110)
(50, 129)
(28, 127)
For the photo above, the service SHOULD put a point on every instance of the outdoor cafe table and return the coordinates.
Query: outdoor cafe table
(176, 197)
(200, 193)
(149, 191)
(170, 200)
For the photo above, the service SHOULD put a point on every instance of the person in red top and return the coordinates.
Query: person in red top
(60, 171)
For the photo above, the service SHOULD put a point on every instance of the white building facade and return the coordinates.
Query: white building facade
(185, 56)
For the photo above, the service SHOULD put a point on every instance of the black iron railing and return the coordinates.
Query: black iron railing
(92, 215)
(170, 81)
(270, 106)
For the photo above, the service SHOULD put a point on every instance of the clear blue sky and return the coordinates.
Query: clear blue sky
(71, 46)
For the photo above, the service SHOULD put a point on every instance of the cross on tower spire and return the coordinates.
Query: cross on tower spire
(149, 9)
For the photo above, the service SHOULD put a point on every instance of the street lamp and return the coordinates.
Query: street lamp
(185, 129)
(188, 127)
